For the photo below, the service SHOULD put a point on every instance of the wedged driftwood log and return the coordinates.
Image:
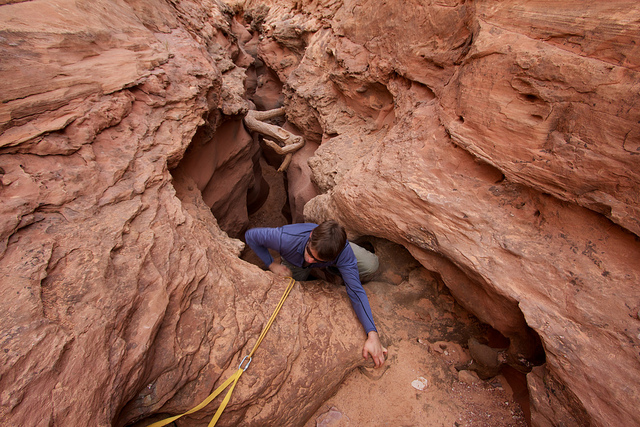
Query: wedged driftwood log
(255, 121)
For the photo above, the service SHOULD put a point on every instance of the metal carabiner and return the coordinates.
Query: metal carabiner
(248, 363)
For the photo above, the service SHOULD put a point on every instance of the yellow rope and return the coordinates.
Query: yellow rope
(233, 379)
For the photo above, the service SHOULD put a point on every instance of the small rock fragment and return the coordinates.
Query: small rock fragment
(468, 377)
(420, 384)
(329, 418)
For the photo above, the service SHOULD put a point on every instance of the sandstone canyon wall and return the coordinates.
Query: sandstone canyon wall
(497, 141)
(121, 296)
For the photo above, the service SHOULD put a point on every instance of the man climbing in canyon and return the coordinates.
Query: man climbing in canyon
(306, 246)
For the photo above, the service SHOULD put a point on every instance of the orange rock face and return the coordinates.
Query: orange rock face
(121, 295)
(497, 141)
(506, 164)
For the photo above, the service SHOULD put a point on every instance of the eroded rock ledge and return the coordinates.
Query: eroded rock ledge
(497, 142)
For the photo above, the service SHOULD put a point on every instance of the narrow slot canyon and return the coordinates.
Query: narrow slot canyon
(485, 153)
(487, 376)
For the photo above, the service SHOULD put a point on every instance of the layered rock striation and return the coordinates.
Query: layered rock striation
(121, 295)
(497, 141)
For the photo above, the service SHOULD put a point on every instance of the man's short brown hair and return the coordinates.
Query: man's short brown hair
(328, 240)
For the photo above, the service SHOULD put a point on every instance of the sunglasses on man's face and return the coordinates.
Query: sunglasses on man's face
(308, 251)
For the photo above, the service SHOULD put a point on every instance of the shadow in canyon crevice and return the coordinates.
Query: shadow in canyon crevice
(223, 144)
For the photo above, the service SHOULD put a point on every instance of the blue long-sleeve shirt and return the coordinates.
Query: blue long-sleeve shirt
(290, 241)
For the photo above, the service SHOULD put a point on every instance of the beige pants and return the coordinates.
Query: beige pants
(367, 262)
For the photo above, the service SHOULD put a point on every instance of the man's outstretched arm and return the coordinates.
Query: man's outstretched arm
(360, 304)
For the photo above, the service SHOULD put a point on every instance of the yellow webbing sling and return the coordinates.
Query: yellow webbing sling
(233, 379)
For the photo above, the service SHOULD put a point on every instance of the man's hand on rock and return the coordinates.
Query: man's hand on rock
(279, 269)
(374, 347)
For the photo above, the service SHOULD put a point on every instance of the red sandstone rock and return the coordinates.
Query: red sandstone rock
(561, 99)
(521, 260)
(300, 188)
(220, 154)
(121, 296)
(496, 141)
(508, 251)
